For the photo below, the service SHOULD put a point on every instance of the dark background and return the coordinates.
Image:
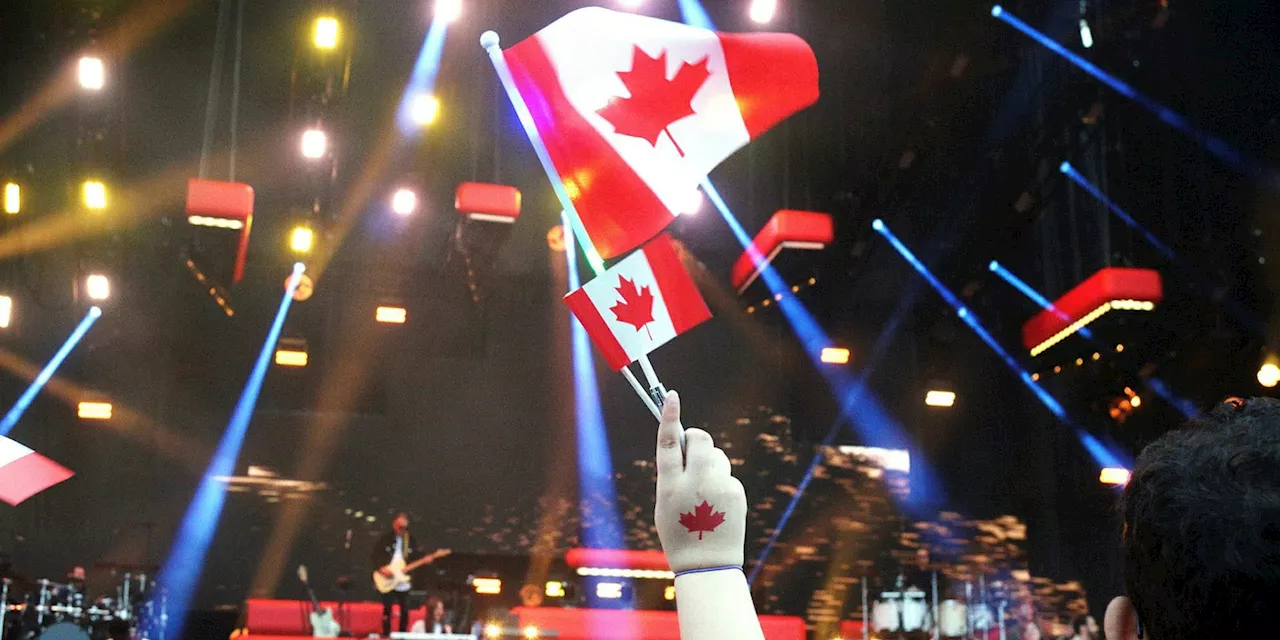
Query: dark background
(464, 415)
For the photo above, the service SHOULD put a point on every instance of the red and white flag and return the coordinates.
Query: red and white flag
(639, 304)
(24, 473)
(636, 111)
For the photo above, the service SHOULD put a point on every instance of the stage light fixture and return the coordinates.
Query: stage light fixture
(95, 194)
(292, 356)
(1116, 476)
(217, 223)
(92, 73)
(6, 311)
(835, 355)
(94, 410)
(97, 287)
(448, 10)
(487, 586)
(314, 144)
(404, 202)
(762, 10)
(1269, 375)
(938, 398)
(530, 632)
(1086, 34)
(12, 198)
(325, 35)
(669, 593)
(301, 239)
(631, 4)
(390, 315)
(554, 589)
(492, 631)
(692, 204)
(1135, 401)
(609, 590)
(424, 109)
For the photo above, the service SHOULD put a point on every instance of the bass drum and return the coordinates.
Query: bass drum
(64, 631)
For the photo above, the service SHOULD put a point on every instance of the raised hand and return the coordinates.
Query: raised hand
(701, 508)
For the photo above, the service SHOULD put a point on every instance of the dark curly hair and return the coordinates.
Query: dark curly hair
(1201, 519)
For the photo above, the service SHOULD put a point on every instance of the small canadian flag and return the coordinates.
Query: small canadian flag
(639, 304)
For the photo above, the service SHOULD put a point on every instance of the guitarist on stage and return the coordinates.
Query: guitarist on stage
(395, 547)
(395, 556)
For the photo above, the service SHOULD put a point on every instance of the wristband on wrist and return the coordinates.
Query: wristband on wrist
(708, 570)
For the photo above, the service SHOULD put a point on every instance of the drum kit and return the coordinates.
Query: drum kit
(48, 610)
(909, 613)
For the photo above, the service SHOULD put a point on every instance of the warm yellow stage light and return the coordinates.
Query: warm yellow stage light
(531, 633)
(835, 355)
(6, 311)
(390, 315)
(325, 35)
(95, 194)
(97, 287)
(12, 198)
(314, 144)
(762, 11)
(1269, 375)
(91, 73)
(492, 631)
(936, 398)
(555, 589)
(487, 586)
(424, 109)
(301, 239)
(404, 202)
(669, 593)
(1114, 476)
(94, 410)
(291, 358)
(609, 590)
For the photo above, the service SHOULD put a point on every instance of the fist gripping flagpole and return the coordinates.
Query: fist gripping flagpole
(492, 45)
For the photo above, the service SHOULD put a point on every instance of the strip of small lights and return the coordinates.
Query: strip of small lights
(221, 223)
(648, 574)
(1123, 305)
(778, 297)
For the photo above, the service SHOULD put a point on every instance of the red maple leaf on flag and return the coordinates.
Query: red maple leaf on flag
(636, 306)
(655, 102)
(704, 518)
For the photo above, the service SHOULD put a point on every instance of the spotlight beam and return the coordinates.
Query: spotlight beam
(24, 401)
(964, 314)
(422, 81)
(182, 570)
(694, 14)
(1213, 144)
(1026, 290)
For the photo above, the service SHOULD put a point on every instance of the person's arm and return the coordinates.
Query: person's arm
(701, 516)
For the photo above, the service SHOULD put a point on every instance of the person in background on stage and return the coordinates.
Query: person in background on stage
(701, 516)
(435, 619)
(1201, 530)
(395, 547)
(1028, 623)
(1085, 628)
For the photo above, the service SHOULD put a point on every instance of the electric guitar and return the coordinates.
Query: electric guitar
(400, 571)
(323, 624)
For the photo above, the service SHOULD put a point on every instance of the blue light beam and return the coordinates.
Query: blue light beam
(1215, 145)
(422, 81)
(24, 401)
(1026, 290)
(694, 15)
(595, 462)
(970, 319)
(182, 570)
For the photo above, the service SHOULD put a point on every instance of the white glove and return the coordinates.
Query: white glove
(701, 509)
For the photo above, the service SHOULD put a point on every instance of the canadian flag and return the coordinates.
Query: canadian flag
(636, 111)
(24, 473)
(639, 304)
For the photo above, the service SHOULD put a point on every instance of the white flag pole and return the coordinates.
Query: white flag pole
(648, 402)
(493, 46)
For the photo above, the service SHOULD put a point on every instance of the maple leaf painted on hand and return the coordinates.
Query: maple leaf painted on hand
(704, 518)
(655, 103)
(636, 306)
